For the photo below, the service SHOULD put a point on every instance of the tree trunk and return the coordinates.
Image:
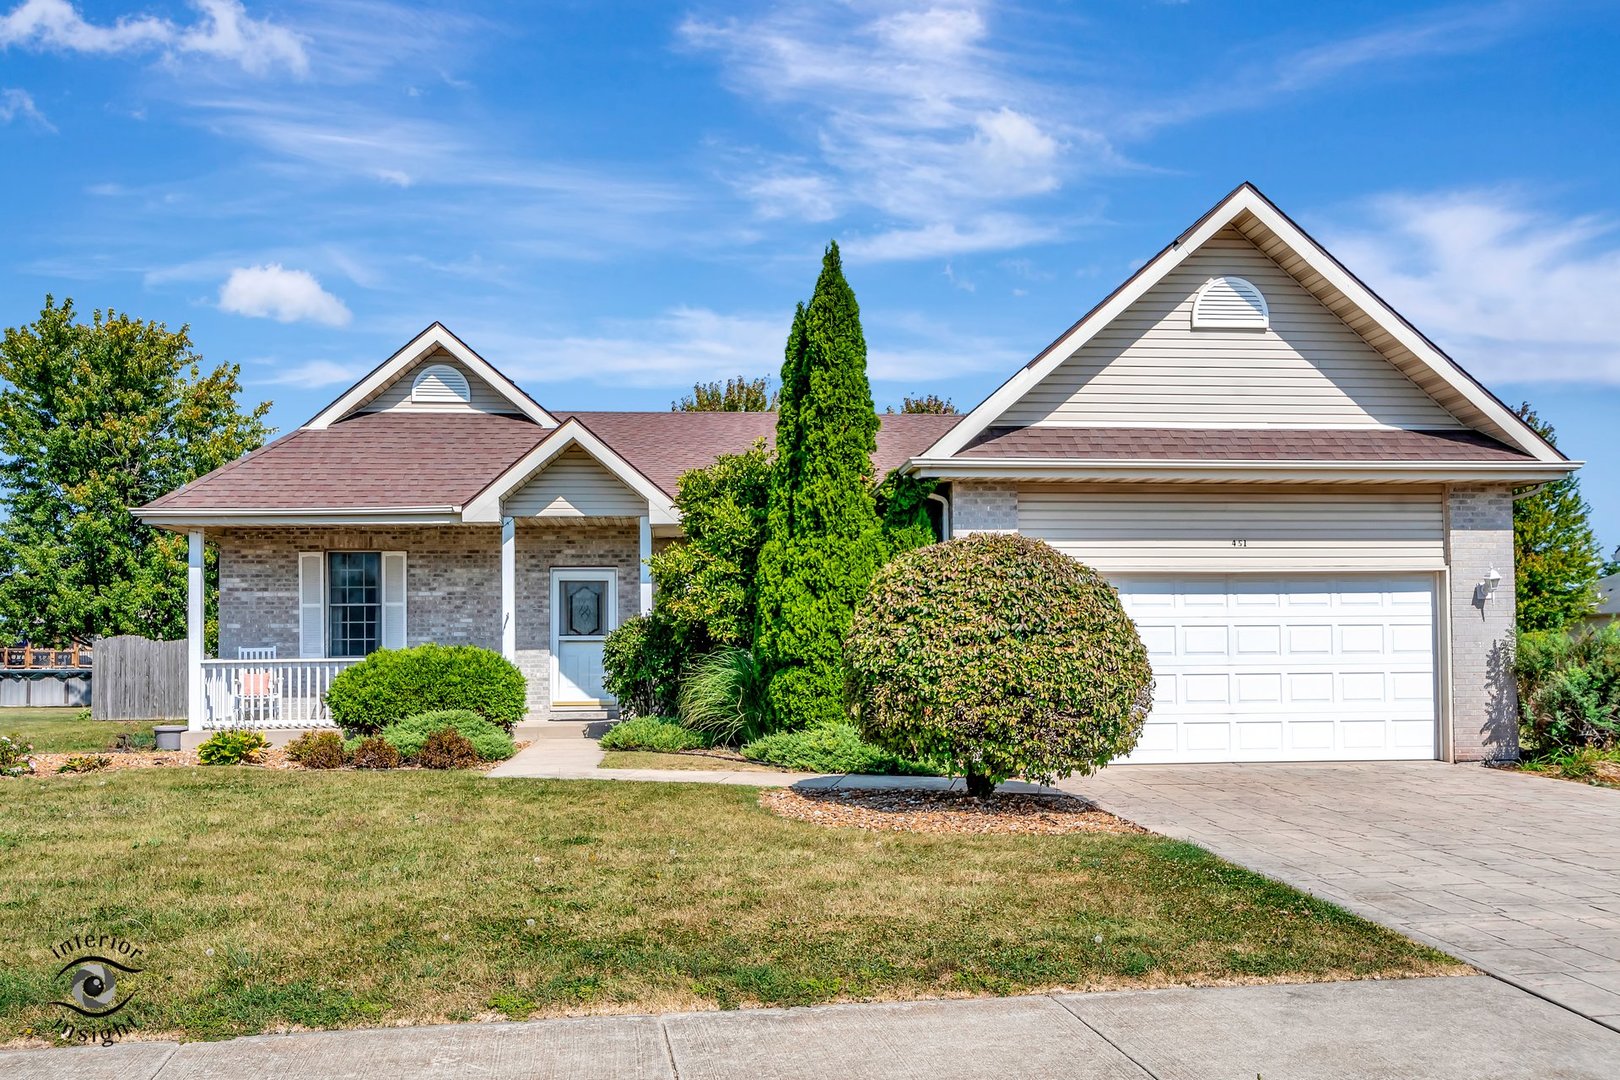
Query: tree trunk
(980, 786)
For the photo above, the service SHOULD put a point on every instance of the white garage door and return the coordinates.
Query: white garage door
(1250, 668)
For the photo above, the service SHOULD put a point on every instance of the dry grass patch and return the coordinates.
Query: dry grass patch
(902, 810)
(270, 900)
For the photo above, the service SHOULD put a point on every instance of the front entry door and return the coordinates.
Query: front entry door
(582, 607)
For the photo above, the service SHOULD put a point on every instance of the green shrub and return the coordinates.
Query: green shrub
(831, 748)
(232, 747)
(373, 752)
(1000, 655)
(394, 683)
(409, 735)
(447, 748)
(14, 759)
(651, 733)
(318, 750)
(83, 763)
(1569, 690)
(641, 666)
(725, 695)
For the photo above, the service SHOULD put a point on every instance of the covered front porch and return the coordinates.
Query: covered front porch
(298, 605)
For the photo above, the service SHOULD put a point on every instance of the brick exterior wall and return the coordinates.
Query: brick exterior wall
(1484, 702)
(453, 583)
(983, 506)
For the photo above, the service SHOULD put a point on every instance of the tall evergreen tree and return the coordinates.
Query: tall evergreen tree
(1556, 557)
(823, 539)
(95, 419)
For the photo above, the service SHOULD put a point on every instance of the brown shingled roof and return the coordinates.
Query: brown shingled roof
(399, 460)
(662, 445)
(373, 461)
(1239, 444)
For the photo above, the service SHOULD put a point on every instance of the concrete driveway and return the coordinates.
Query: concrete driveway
(1518, 875)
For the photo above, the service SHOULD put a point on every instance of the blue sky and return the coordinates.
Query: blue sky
(610, 201)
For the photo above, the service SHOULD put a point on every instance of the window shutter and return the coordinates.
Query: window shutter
(393, 598)
(311, 604)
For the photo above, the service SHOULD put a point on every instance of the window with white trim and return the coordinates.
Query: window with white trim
(354, 607)
(351, 603)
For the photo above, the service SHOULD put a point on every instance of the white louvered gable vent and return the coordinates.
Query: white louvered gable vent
(1230, 303)
(440, 384)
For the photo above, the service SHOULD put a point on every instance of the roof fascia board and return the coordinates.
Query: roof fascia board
(435, 337)
(432, 515)
(1245, 198)
(486, 505)
(957, 468)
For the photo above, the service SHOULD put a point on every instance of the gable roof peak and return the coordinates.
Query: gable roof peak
(435, 338)
(1485, 411)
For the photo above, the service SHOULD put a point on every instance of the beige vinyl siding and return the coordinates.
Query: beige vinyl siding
(397, 394)
(1150, 368)
(575, 485)
(1237, 530)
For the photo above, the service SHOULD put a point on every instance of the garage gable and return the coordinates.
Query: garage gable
(1192, 340)
(1228, 339)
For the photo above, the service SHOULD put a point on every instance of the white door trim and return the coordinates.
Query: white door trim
(559, 574)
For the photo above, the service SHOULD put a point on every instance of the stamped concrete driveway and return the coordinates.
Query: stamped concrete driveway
(1518, 875)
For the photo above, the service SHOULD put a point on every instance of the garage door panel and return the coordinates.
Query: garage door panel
(1258, 668)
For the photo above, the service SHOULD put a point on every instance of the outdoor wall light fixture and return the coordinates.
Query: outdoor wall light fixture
(1493, 578)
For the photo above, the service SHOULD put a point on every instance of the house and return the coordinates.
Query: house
(1608, 605)
(1306, 506)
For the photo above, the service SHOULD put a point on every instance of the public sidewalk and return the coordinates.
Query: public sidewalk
(1443, 1029)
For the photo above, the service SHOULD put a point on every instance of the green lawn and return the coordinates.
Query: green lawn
(267, 899)
(651, 759)
(68, 731)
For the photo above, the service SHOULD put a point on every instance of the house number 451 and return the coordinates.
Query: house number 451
(1240, 543)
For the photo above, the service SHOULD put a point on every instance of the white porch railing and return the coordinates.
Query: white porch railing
(268, 693)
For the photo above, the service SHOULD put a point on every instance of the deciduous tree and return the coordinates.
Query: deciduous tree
(96, 418)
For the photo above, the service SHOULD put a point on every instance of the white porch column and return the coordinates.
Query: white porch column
(646, 571)
(195, 623)
(508, 588)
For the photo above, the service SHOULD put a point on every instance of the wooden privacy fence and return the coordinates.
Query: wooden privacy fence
(137, 678)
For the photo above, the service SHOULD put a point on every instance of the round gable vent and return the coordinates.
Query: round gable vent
(1230, 303)
(440, 384)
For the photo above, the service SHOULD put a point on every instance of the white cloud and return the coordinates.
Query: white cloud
(224, 31)
(1514, 293)
(313, 375)
(687, 344)
(911, 113)
(990, 232)
(272, 292)
(19, 104)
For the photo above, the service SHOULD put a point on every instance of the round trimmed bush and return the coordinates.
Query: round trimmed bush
(373, 753)
(411, 734)
(998, 655)
(318, 750)
(394, 683)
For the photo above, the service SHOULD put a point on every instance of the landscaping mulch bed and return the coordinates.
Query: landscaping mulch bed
(273, 758)
(901, 810)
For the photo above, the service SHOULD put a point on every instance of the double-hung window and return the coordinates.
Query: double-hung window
(350, 603)
(353, 602)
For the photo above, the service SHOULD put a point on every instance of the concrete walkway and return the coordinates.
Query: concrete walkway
(1444, 1029)
(568, 751)
(1518, 875)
